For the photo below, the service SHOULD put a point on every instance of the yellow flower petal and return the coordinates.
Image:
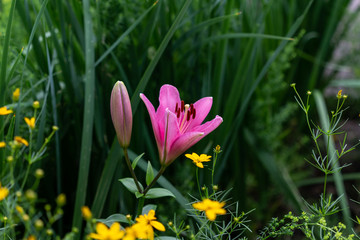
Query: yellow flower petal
(5, 111)
(211, 208)
(158, 225)
(21, 140)
(4, 192)
(30, 122)
(2, 144)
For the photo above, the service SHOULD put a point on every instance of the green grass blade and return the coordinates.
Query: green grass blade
(149, 70)
(246, 35)
(4, 63)
(115, 155)
(127, 32)
(230, 138)
(221, 56)
(88, 118)
(326, 41)
(348, 83)
(38, 50)
(286, 186)
(339, 182)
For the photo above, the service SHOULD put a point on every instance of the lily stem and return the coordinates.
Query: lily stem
(161, 171)
(127, 160)
(140, 205)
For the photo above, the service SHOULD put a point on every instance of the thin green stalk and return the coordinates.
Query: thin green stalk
(127, 160)
(26, 176)
(140, 205)
(161, 171)
(197, 180)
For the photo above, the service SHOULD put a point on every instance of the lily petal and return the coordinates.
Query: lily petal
(154, 122)
(169, 96)
(209, 126)
(182, 143)
(171, 132)
(202, 107)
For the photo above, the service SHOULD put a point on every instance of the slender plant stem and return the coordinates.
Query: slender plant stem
(26, 176)
(140, 205)
(197, 180)
(325, 180)
(161, 171)
(131, 170)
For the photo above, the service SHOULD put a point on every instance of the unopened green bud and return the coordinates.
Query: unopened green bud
(39, 224)
(292, 85)
(215, 187)
(47, 207)
(39, 173)
(30, 195)
(61, 200)
(308, 92)
(36, 105)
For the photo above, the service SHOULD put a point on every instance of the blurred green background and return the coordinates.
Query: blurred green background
(243, 53)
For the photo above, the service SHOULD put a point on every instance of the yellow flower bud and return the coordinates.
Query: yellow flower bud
(16, 94)
(10, 158)
(36, 105)
(61, 200)
(30, 195)
(39, 173)
(339, 94)
(87, 215)
(39, 224)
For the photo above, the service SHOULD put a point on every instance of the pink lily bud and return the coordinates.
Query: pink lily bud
(121, 113)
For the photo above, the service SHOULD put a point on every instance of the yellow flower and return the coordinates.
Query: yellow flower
(198, 160)
(21, 140)
(2, 144)
(16, 94)
(86, 213)
(105, 233)
(137, 231)
(339, 94)
(4, 192)
(5, 111)
(146, 223)
(211, 208)
(30, 122)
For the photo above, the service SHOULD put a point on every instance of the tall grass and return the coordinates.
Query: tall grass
(222, 49)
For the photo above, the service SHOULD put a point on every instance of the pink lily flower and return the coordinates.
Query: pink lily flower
(121, 113)
(176, 125)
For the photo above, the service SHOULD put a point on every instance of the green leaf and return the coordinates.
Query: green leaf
(138, 195)
(136, 160)
(165, 238)
(146, 209)
(158, 193)
(149, 174)
(114, 218)
(130, 185)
